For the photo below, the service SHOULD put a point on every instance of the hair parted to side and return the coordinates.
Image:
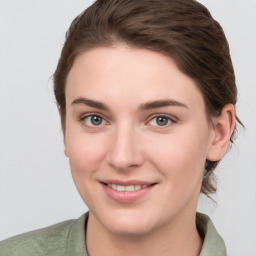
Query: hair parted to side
(181, 29)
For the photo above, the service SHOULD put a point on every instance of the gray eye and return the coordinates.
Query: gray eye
(94, 120)
(161, 120)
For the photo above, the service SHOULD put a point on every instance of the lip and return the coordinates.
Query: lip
(126, 196)
(127, 182)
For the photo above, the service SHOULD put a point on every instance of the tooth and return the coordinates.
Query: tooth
(126, 188)
(114, 186)
(137, 187)
(129, 188)
(120, 188)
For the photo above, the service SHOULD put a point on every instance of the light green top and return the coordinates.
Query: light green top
(68, 238)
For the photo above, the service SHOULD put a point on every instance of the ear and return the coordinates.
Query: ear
(223, 127)
(63, 133)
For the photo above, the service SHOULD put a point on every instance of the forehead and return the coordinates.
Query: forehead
(120, 72)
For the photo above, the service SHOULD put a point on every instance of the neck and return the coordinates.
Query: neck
(181, 239)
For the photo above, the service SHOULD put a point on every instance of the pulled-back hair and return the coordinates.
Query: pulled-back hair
(181, 29)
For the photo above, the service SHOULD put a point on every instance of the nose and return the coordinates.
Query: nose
(125, 152)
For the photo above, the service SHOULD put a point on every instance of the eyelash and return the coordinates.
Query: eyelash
(91, 126)
(170, 120)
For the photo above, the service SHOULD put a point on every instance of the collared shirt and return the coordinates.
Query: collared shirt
(68, 239)
(213, 244)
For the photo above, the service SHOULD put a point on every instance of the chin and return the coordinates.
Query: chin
(124, 229)
(128, 224)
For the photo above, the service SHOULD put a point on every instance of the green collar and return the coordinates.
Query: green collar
(213, 244)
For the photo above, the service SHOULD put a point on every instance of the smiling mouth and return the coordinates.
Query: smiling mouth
(127, 191)
(128, 188)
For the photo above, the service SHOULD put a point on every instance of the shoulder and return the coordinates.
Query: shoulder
(51, 240)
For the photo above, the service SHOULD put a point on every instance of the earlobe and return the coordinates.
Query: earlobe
(65, 151)
(64, 143)
(63, 133)
(223, 127)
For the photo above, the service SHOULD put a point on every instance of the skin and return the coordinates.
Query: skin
(129, 144)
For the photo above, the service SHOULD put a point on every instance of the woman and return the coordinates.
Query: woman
(146, 94)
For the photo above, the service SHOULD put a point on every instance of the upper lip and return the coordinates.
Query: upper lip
(127, 182)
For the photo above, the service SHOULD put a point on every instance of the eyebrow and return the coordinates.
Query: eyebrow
(145, 106)
(90, 103)
(161, 103)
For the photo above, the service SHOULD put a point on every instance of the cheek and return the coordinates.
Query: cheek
(85, 152)
(85, 158)
(180, 158)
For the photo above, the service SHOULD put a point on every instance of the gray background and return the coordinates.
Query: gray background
(36, 188)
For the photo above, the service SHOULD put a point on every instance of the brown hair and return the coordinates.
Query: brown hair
(181, 29)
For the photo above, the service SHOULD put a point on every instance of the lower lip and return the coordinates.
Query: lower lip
(126, 196)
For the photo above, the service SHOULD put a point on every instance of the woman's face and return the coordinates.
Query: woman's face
(137, 138)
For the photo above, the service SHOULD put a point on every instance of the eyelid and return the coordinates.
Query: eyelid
(171, 118)
(84, 116)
